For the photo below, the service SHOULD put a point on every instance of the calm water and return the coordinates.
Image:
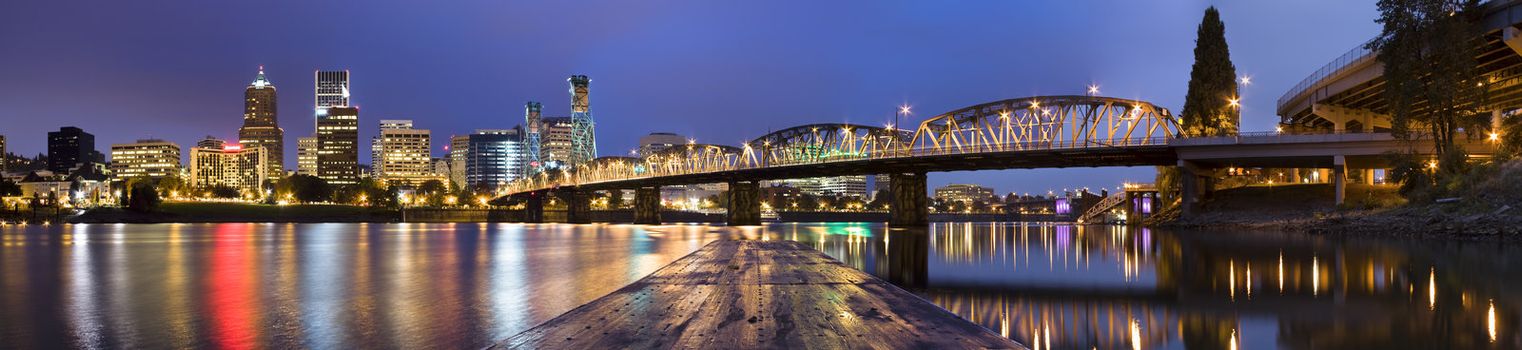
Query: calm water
(466, 285)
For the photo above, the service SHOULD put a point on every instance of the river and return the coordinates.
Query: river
(1048, 286)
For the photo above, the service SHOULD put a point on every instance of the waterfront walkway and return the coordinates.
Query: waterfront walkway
(758, 294)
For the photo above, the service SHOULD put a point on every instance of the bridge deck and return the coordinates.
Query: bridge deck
(758, 294)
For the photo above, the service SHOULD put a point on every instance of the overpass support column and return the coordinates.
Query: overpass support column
(533, 207)
(744, 203)
(647, 205)
(1192, 187)
(578, 207)
(910, 206)
(1339, 178)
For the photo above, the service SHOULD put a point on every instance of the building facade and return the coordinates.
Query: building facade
(844, 186)
(5, 158)
(338, 145)
(145, 159)
(556, 142)
(69, 148)
(964, 193)
(494, 158)
(332, 89)
(658, 141)
(306, 156)
(401, 154)
(215, 163)
(459, 149)
(261, 125)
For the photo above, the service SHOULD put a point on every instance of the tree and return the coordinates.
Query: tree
(222, 191)
(1432, 77)
(171, 186)
(615, 199)
(142, 197)
(1209, 105)
(880, 200)
(8, 188)
(305, 188)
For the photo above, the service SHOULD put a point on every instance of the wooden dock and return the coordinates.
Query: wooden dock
(758, 294)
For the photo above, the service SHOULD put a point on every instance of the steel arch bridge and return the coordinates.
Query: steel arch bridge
(1011, 126)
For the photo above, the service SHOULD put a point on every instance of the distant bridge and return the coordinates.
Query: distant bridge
(1027, 132)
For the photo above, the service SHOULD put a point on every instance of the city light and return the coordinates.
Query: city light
(1093, 89)
(1495, 137)
(1245, 80)
(903, 109)
(1234, 102)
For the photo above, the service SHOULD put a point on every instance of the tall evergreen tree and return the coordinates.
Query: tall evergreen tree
(1432, 77)
(1208, 109)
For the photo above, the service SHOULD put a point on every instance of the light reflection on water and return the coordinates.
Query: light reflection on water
(466, 285)
(1067, 287)
(312, 285)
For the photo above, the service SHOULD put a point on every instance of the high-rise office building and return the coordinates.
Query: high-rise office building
(306, 156)
(844, 186)
(658, 141)
(532, 124)
(401, 154)
(964, 193)
(261, 126)
(338, 145)
(459, 148)
(332, 89)
(583, 128)
(145, 159)
(556, 142)
(494, 158)
(441, 169)
(69, 148)
(215, 163)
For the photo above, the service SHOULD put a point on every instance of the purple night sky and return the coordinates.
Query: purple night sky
(718, 71)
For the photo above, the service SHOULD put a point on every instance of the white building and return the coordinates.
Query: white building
(401, 154)
(229, 165)
(145, 159)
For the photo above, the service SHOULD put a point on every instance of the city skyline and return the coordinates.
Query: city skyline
(753, 79)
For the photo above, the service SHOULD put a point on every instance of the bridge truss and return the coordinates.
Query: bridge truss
(1013, 125)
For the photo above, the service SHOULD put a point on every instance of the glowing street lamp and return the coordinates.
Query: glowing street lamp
(1234, 102)
(1093, 89)
(1245, 80)
(1495, 137)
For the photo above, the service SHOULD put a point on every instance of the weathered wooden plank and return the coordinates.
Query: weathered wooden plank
(758, 294)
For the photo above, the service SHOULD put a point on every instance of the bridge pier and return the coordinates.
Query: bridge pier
(533, 207)
(578, 206)
(1339, 178)
(910, 205)
(744, 203)
(1192, 187)
(647, 205)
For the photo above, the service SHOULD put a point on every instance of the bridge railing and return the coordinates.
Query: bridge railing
(586, 176)
(1337, 65)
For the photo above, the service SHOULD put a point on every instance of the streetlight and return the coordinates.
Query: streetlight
(1245, 80)
(1495, 137)
(1234, 102)
(1093, 89)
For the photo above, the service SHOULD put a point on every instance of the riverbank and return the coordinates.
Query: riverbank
(216, 212)
(1369, 211)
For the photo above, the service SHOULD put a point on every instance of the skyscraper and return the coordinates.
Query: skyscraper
(338, 145)
(214, 163)
(69, 147)
(583, 129)
(332, 89)
(658, 141)
(145, 159)
(495, 158)
(531, 124)
(401, 154)
(261, 127)
(306, 156)
(459, 148)
(557, 139)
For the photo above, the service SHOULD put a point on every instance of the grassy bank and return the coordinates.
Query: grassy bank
(240, 212)
(1485, 206)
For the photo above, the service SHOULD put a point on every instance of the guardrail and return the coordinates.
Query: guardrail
(1337, 65)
